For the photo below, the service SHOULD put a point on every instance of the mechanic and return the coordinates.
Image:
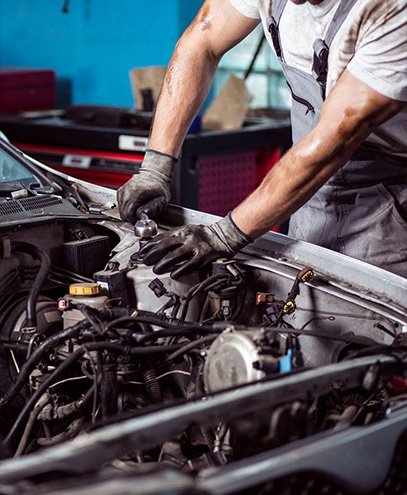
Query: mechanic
(344, 180)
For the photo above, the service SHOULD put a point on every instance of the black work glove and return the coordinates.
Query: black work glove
(149, 190)
(188, 248)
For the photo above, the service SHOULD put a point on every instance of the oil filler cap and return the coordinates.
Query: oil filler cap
(85, 289)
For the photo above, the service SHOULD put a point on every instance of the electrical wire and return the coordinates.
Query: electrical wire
(29, 366)
(204, 310)
(217, 314)
(96, 380)
(45, 385)
(312, 333)
(314, 318)
(39, 406)
(67, 380)
(13, 357)
(67, 277)
(172, 372)
(93, 346)
(193, 291)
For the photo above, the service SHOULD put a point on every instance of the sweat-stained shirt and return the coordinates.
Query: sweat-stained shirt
(371, 44)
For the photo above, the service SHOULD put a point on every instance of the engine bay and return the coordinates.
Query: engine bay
(224, 369)
(90, 335)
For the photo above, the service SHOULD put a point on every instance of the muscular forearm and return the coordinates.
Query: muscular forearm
(216, 28)
(297, 176)
(185, 87)
(314, 159)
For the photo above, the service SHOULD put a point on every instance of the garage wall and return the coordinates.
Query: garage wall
(94, 45)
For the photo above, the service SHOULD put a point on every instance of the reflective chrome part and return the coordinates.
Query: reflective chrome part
(234, 359)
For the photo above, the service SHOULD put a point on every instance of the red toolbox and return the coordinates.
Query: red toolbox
(218, 169)
(24, 89)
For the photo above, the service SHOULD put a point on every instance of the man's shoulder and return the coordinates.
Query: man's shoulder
(382, 7)
(376, 22)
(374, 13)
(248, 8)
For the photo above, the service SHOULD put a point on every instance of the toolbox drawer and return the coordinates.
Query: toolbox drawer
(26, 89)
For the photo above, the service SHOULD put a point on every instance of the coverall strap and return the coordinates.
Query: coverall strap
(321, 47)
(276, 10)
(340, 15)
(275, 13)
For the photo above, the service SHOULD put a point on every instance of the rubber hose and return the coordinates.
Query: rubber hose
(50, 412)
(148, 320)
(93, 346)
(180, 332)
(29, 366)
(108, 389)
(199, 288)
(35, 252)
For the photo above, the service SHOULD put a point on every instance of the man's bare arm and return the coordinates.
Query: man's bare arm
(217, 27)
(350, 113)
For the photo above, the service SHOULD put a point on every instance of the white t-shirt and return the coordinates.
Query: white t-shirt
(371, 44)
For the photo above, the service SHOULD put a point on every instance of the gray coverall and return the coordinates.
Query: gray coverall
(362, 210)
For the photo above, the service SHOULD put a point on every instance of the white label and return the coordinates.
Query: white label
(76, 161)
(132, 143)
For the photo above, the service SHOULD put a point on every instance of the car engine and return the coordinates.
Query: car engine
(90, 337)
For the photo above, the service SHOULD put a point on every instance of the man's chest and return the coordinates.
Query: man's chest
(299, 28)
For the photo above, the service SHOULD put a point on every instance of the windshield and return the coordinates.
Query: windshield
(12, 170)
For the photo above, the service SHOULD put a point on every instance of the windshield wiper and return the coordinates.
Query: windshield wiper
(39, 189)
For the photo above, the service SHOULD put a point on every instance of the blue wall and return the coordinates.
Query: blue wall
(92, 47)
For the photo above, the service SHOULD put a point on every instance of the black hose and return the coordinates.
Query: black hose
(191, 345)
(378, 349)
(240, 304)
(204, 309)
(193, 291)
(14, 346)
(35, 252)
(180, 332)
(312, 333)
(49, 412)
(140, 320)
(93, 346)
(51, 378)
(207, 330)
(29, 366)
(108, 387)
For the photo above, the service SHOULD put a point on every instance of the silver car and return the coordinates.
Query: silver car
(281, 371)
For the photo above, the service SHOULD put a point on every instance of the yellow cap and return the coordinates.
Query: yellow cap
(86, 289)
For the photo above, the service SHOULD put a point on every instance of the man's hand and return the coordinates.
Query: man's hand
(188, 248)
(149, 190)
